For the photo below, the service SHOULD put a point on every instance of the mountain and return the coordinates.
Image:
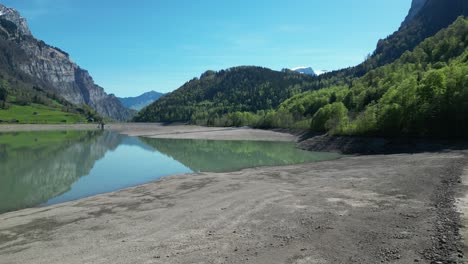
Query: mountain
(204, 99)
(308, 71)
(23, 56)
(305, 70)
(425, 18)
(416, 6)
(414, 84)
(12, 15)
(320, 72)
(423, 93)
(139, 102)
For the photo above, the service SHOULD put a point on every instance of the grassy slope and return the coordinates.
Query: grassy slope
(44, 115)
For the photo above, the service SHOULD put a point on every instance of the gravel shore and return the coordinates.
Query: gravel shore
(396, 208)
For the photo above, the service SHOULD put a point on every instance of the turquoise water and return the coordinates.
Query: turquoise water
(42, 168)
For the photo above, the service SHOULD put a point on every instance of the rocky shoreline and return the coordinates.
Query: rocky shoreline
(364, 209)
(388, 208)
(378, 145)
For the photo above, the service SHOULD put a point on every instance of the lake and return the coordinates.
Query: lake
(43, 168)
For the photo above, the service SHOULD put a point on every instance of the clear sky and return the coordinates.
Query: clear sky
(131, 47)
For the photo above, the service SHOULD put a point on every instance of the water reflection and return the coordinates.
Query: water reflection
(37, 166)
(223, 156)
(53, 167)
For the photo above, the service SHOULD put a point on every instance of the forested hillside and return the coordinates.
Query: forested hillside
(434, 16)
(413, 84)
(206, 99)
(423, 93)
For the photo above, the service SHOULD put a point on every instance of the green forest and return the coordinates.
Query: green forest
(422, 93)
(206, 99)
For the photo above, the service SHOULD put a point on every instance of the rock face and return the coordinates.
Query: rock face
(13, 16)
(425, 19)
(416, 6)
(52, 66)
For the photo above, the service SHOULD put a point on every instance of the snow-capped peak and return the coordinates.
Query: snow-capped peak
(320, 72)
(304, 70)
(308, 71)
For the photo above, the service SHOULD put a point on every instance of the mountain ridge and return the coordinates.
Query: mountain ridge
(425, 19)
(308, 71)
(139, 102)
(217, 93)
(416, 6)
(305, 70)
(345, 101)
(14, 16)
(52, 69)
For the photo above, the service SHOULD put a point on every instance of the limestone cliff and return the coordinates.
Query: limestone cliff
(416, 6)
(53, 67)
(13, 16)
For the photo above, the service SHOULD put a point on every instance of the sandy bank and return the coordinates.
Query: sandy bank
(368, 209)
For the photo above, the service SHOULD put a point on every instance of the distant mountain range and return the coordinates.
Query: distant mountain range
(308, 71)
(139, 102)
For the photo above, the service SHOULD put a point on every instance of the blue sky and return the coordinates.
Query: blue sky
(131, 47)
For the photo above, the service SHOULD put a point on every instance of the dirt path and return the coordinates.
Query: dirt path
(369, 209)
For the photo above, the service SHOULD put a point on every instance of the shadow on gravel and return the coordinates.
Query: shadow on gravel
(375, 146)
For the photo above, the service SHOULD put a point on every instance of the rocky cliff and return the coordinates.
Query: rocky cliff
(13, 16)
(51, 66)
(425, 19)
(416, 6)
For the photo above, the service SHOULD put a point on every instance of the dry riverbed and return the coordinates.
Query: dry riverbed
(364, 209)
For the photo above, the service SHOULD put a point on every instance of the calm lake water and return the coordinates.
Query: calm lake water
(41, 168)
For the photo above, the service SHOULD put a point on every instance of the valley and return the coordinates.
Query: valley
(255, 160)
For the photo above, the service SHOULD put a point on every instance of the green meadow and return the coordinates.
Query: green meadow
(38, 114)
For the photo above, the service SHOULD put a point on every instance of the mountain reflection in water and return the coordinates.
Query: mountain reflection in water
(53, 167)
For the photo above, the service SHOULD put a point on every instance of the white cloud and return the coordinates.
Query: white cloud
(40, 8)
(299, 68)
